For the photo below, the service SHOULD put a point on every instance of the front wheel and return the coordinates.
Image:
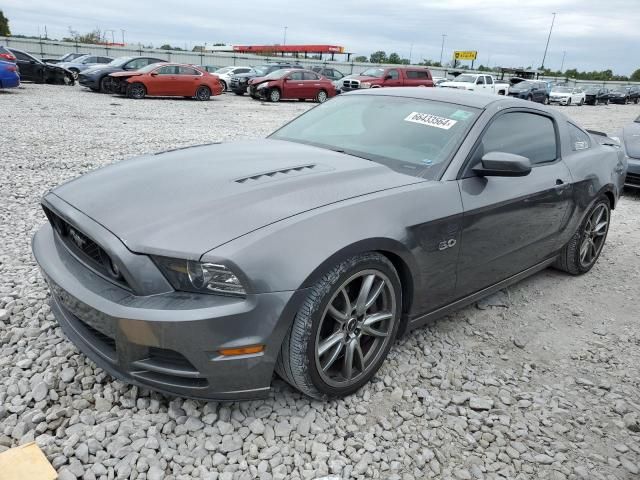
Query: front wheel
(344, 329)
(203, 93)
(581, 101)
(223, 84)
(274, 95)
(321, 96)
(568, 102)
(584, 248)
(546, 100)
(606, 102)
(137, 91)
(75, 73)
(530, 98)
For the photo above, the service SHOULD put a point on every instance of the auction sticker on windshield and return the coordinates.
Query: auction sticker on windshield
(430, 120)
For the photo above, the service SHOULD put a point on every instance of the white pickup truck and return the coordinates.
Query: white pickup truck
(477, 82)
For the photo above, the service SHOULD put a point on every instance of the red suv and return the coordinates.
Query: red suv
(292, 84)
(377, 77)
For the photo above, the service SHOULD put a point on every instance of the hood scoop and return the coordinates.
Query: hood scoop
(274, 174)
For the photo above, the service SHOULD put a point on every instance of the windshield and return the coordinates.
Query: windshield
(261, 70)
(560, 90)
(78, 59)
(522, 85)
(277, 74)
(118, 62)
(220, 71)
(466, 78)
(592, 90)
(411, 136)
(620, 90)
(373, 72)
(148, 68)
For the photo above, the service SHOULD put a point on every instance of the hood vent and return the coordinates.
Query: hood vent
(276, 173)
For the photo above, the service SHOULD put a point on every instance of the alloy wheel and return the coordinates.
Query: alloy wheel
(593, 237)
(137, 91)
(322, 96)
(274, 95)
(355, 328)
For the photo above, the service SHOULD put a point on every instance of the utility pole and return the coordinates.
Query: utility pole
(122, 31)
(562, 65)
(442, 49)
(284, 40)
(410, 53)
(548, 38)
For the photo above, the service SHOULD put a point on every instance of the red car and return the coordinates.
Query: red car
(166, 80)
(292, 84)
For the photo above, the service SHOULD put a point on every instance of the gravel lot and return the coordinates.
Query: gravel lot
(540, 381)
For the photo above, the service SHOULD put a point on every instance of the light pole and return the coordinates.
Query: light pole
(548, 38)
(442, 49)
(121, 30)
(410, 53)
(562, 64)
(284, 40)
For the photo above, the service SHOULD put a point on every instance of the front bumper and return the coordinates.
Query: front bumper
(619, 100)
(633, 173)
(168, 342)
(89, 82)
(559, 101)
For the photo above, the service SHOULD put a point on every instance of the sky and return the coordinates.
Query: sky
(594, 34)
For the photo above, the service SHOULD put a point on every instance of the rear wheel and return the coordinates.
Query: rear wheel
(203, 93)
(569, 102)
(636, 100)
(274, 95)
(321, 96)
(136, 91)
(606, 102)
(584, 248)
(75, 73)
(224, 85)
(344, 329)
(581, 101)
(546, 100)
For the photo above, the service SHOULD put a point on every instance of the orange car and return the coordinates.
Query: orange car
(166, 80)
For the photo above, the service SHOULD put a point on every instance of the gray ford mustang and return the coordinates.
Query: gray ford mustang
(201, 271)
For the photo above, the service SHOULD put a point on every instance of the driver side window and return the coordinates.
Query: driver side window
(521, 133)
(296, 76)
(480, 81)
(393, 74)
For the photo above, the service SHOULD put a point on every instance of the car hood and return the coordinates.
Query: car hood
(123, 73)
(186, 202)
(457, 84)
(256, 80)
(364, 78)
(244, 75)
(631, 139)
(101, 69)
(560, 94)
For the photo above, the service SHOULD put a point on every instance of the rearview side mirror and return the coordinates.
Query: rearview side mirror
(502, 164)
(388, 77)
(154, 74)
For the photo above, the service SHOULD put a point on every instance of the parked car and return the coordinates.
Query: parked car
(239, 83)
(35, 70)
(564, 95)
(97, 77)
(595, 95)
(9, 77)
(531, 90)
(200, 271)
(292, 84)
(332, 74)
(166, 80)
(438, 81)
(80, 64)
(378, 77)
(67, 57)
(631, 144)
(477, 82)
(634, 91)
(6, 55)
(226, 73)
(622, 95)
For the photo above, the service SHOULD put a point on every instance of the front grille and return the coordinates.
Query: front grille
(84, 248)
(632, 179)
(351, 84)
(166, 366)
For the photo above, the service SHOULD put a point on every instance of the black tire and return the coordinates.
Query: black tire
(75, 73)
(546, 100)
(104, 85)
(530, 98)
(224, 85)
(238, 92)
(569, 259)
(274, 95)
(136, 90)
(636, 100)
(203, 93)
(322, 96)
(606, 102)
(569, 102)
(298, 364)
(581, 101)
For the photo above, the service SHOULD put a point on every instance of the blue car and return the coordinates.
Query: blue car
(9, 77)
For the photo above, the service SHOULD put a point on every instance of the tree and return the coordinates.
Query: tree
(394, 58)
(4, 25)
(361, 59)
(94, 37)
(635, 76)
(166, 46)
(378, 57)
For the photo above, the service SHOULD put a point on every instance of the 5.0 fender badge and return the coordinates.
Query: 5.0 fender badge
(443, 245)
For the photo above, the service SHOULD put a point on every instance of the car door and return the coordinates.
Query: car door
(488, 79)
(29, 67)
(187, 81)
(480, 84)
(512, 223)
(293, 85)
(161, 80)
(311, 84)
(392, 78)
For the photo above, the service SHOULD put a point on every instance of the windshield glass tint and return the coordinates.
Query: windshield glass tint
(465, 78)
(261, 70)
(220, 71)
(277, 74)
(560, 90)
(373, 72)
(412, 136)
(118, 62)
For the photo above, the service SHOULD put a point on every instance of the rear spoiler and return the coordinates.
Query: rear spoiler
(604, 139)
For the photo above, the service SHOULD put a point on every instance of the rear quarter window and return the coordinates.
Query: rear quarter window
(417, 74)
(580, 139)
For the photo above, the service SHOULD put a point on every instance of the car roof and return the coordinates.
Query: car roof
(451, 95)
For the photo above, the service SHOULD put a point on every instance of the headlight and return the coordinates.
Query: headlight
(365, 85)
(261, 86)
(199, 277)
